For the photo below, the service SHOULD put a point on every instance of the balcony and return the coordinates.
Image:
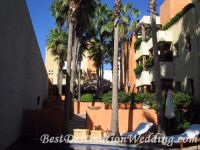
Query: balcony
(162, 36)
(143, 51)
(166, 71)
(143, 79)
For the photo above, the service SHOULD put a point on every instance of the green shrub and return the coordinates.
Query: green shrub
(107, 98)
(138, 43)
(182, 100)
(138, 69)
(150, 62)
(86, 98)
(150, 100)
(139, 97)
(122, 96)
(178, 16)
(182, 118)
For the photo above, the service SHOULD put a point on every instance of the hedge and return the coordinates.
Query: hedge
(87, 98)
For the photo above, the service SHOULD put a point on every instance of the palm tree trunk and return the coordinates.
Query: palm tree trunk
(79, 81)
(114, 118)
(122, 71)
(60, 83)
(160, 112)
(58, 78)
(67, 94)
(73, 77)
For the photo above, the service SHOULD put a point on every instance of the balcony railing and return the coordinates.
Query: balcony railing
(162, 36)
(143, 79)
(166, 71)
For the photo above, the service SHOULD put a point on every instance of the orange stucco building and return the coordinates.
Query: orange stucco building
(130, 64)
(170, 8)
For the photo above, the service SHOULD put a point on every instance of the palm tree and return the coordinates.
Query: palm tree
(84, 14)
(127, 24)
(160, 112)
(56, 43)
(102, 29)
(114, 119)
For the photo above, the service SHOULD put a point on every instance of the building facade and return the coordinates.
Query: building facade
(178, 47)
(87, 67)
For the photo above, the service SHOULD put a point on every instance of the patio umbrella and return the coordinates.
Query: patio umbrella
(169, 108)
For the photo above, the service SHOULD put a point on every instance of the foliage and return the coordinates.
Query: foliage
(56, 42)
(127, 22)
(122, 96)
(107, 97)
(138, 69)
(139, 97)
(138, 43)
(182, 117)
(147, 99)
(150, 62)
(182, 100)
(86, 98)
(178, 16)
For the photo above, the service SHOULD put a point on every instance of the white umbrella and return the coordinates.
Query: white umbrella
(169, 109)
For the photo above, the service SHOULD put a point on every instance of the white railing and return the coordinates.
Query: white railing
(143, 79)
(166, 71)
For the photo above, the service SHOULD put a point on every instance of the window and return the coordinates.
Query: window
(50, 72)
(190, 87)
(188, 46)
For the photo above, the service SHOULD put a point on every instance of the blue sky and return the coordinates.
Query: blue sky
(43, 21)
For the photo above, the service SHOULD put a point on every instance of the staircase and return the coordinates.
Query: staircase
(77, 122)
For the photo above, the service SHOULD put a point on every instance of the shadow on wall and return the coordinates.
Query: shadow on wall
(188, 54)
(43, 121)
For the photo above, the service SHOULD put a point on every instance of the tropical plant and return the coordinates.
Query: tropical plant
(114, 117)
(107, 98)
(150, 62)
(87, 98)
(101, 40)
(138, 69)
(182, 100)
(56, 43)
(160, 111)
(137, 43)
(67, 12)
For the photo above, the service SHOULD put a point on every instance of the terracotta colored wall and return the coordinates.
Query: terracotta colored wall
(50, 121)
(170, 8)
(128, 119)
(81, 107)
(130, 64)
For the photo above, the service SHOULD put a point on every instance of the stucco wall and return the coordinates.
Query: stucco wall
(130, 65)
(23, 76)
(170, 8)
(128, 119)
(187, 63)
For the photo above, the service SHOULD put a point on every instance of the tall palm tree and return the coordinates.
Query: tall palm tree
(126, 25)
(114, 119)
(102, 29)
(160, 112)
(56, 43)
(84, 14)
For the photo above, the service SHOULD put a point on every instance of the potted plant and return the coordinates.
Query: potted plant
(107, 99)
(139, 99)
(124, 99)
